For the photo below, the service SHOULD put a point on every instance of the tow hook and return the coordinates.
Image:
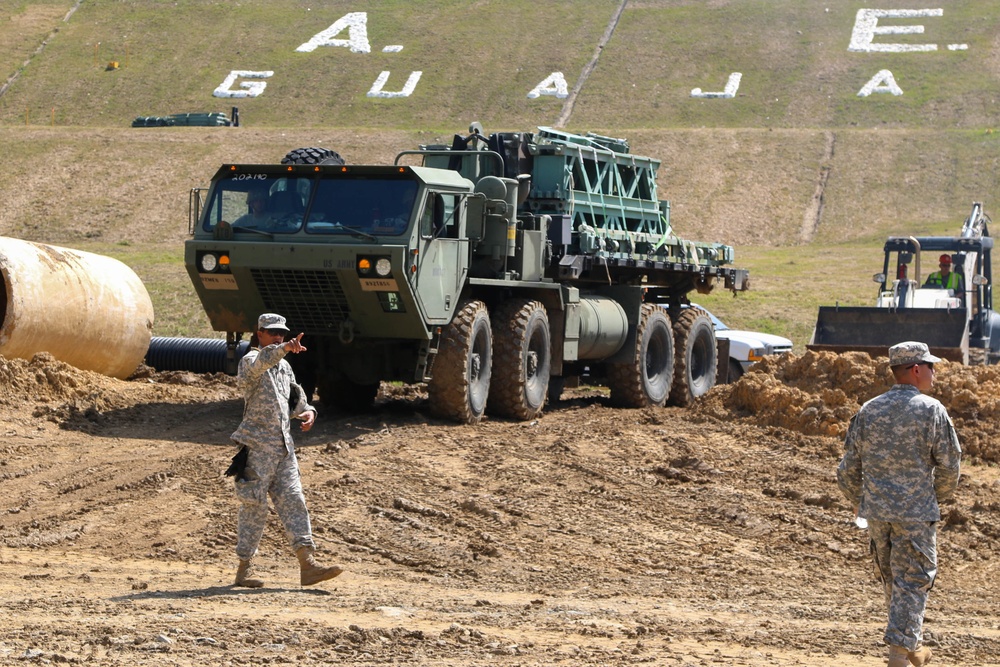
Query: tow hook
(347, 332)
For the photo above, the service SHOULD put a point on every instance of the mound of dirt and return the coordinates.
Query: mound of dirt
(62, 393)
(817, 393)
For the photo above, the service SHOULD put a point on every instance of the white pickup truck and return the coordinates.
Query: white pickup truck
(746, 347)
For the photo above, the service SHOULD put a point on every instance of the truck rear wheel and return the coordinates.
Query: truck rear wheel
(522, 360)
(463, 366)
(312, 155)
(696, 356)
(645, 381)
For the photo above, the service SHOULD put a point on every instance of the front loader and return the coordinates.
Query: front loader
(957, 324)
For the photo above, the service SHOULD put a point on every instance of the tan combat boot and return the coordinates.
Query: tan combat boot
(920, 657)
(312, 572)
(898, 657)
(244, 576)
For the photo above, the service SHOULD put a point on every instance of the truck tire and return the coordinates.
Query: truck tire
(645, 381)
(312, 156)
(695, 356)
(463, 365)
(521, 360)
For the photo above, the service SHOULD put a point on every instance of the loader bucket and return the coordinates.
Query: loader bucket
(875, 330)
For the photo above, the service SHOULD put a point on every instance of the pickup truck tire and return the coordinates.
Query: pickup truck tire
(463, 366)
(312, 156)
(522, 345)
(696, 356)
(645, 381)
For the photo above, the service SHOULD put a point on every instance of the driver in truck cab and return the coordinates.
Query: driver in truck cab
(945, 278)
(257, 210)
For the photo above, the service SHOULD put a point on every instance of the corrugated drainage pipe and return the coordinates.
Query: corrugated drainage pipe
(198, 355)
(87, 310)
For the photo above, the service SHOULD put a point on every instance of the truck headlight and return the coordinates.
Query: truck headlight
(383, 267)
(209, 261)
(756, 353)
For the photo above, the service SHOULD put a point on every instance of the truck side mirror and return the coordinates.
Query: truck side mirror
(475, 217)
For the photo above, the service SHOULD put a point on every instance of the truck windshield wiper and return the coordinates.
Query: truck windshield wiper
(356, 233)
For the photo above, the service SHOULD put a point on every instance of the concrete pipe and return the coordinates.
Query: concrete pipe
(86, 310)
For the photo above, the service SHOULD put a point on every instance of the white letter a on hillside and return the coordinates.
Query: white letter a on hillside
(357, 26)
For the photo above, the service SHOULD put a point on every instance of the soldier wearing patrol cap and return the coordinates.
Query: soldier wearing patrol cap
(269, 467)
(901, 461)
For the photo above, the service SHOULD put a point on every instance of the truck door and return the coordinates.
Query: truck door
(443, 257)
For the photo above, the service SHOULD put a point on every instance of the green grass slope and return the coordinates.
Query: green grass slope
(797, 171)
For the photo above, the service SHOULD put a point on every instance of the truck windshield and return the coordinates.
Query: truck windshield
(261, 202)
(378, 206)
(276, 204)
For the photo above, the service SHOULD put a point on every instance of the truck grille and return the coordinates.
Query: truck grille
(313, 302)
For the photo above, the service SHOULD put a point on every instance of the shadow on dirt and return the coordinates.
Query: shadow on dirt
(214, 591)
(213, 423)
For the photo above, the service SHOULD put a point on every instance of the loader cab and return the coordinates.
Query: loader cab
(912, 262)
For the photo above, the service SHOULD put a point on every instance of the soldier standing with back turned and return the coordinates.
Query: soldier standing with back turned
(901, 461)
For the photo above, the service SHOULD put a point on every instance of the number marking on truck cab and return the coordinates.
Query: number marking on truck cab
(379, 285)
(211, 281)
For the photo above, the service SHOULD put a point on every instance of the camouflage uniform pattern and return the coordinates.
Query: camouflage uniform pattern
(905, 555)
(902, 458)
(266, 380)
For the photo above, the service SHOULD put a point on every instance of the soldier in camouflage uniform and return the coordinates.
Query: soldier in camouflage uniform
(267, 382)
(901, 461)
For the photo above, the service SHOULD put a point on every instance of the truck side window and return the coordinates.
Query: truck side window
(427, 216)
(439, 218)
(449, 219)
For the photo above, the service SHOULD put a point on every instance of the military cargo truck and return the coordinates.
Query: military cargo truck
(493, 269)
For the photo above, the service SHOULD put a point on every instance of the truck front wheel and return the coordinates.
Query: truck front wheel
(645, 380)
(463, 365)
(523, 358)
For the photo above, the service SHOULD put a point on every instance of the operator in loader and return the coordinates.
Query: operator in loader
(945, 278)
(901, 461)
(266, 464)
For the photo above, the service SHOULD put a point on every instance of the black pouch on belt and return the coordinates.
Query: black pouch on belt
(239, 465)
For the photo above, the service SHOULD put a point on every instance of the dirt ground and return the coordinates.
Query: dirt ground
(591, 536)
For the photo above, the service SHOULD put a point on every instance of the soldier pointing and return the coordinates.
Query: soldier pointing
(269, 466)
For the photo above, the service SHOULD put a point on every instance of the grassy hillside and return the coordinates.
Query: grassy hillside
(748, 171)
(479, 61)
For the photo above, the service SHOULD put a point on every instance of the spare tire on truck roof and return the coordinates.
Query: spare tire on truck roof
(313, 155)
